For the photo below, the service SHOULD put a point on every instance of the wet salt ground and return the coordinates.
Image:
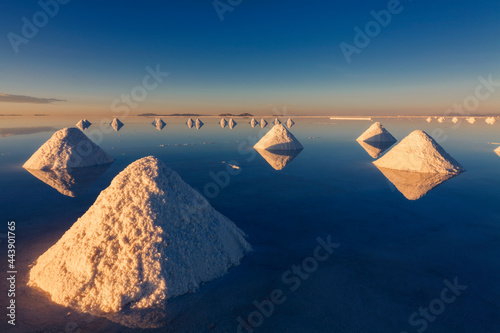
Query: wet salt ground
(393, 257)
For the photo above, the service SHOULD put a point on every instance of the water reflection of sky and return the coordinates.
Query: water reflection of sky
(394, 255)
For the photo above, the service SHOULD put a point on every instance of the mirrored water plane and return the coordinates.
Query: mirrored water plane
(71, 182)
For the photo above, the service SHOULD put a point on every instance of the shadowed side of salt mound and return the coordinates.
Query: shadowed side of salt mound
(148, 237)
(376, 133)
(414, 185)
(279, 138)
(71, 182)
(159, 124)
(375, 149)
(116, 124)
(278, 159)
(418, 152)
(67, 148)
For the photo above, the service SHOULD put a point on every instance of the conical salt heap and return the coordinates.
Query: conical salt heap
(116, 124)
(83, 124)
(276, 121)
(263, 123)
(471, 120)
(455, 120)
(223, 123)
(159, 124)
(67, 148)
(429, 119)
(232, 123)
(198, 124)
(190, 123)
(441, 120)
(490, 120)
(376, 133)
(278, 138)
(418, 152)
(148, 237)
(290, 123)
(253, 122)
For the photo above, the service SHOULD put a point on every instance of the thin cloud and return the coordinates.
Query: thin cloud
(6, 98)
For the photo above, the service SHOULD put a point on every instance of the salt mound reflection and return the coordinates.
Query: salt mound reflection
(375, 149)
(278, 159)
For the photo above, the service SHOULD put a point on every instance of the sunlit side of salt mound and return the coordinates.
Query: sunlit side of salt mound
(414, 185)
(67, 148)
(278, 159)
(279, 138)
(376, 133)
(70, 182)
(148, 237)
(418, 152)
(375, 149)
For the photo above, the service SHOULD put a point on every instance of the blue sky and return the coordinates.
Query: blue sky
(264, 54)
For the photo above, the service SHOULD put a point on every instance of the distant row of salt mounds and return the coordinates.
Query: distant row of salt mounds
(159, 124)
(147, 238)
(83, 124)
(196, 124)
(67, 148)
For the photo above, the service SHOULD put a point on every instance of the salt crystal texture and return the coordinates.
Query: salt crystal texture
(67, 148)
(290, 123)
(418, 152)
(376, 133)
(116, 124)
(148, 237)
(278, 138)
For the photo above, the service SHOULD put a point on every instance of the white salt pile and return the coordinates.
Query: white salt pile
(276, 121)
(418, 152)
(67, 148)
(263, 123)
(278, 159)
(278, 138)
(159, 124)
(83, 124)
(232, 123)
(429, 119)
(455, 120)
(471, 120)
(253, 122)
(414, 185)
(376, 133)
(190, 123)
(490, 120)
(290, 123)
(148, 237)
(223, 123)
(441, 120)
(198, 124)
(116, 124)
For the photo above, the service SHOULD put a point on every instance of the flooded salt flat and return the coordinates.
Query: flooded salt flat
(400, 237)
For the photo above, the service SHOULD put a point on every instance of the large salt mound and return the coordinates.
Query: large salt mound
(278, 138)
(418, 152)
(376, 133)
(67, 148)
(148, 237)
